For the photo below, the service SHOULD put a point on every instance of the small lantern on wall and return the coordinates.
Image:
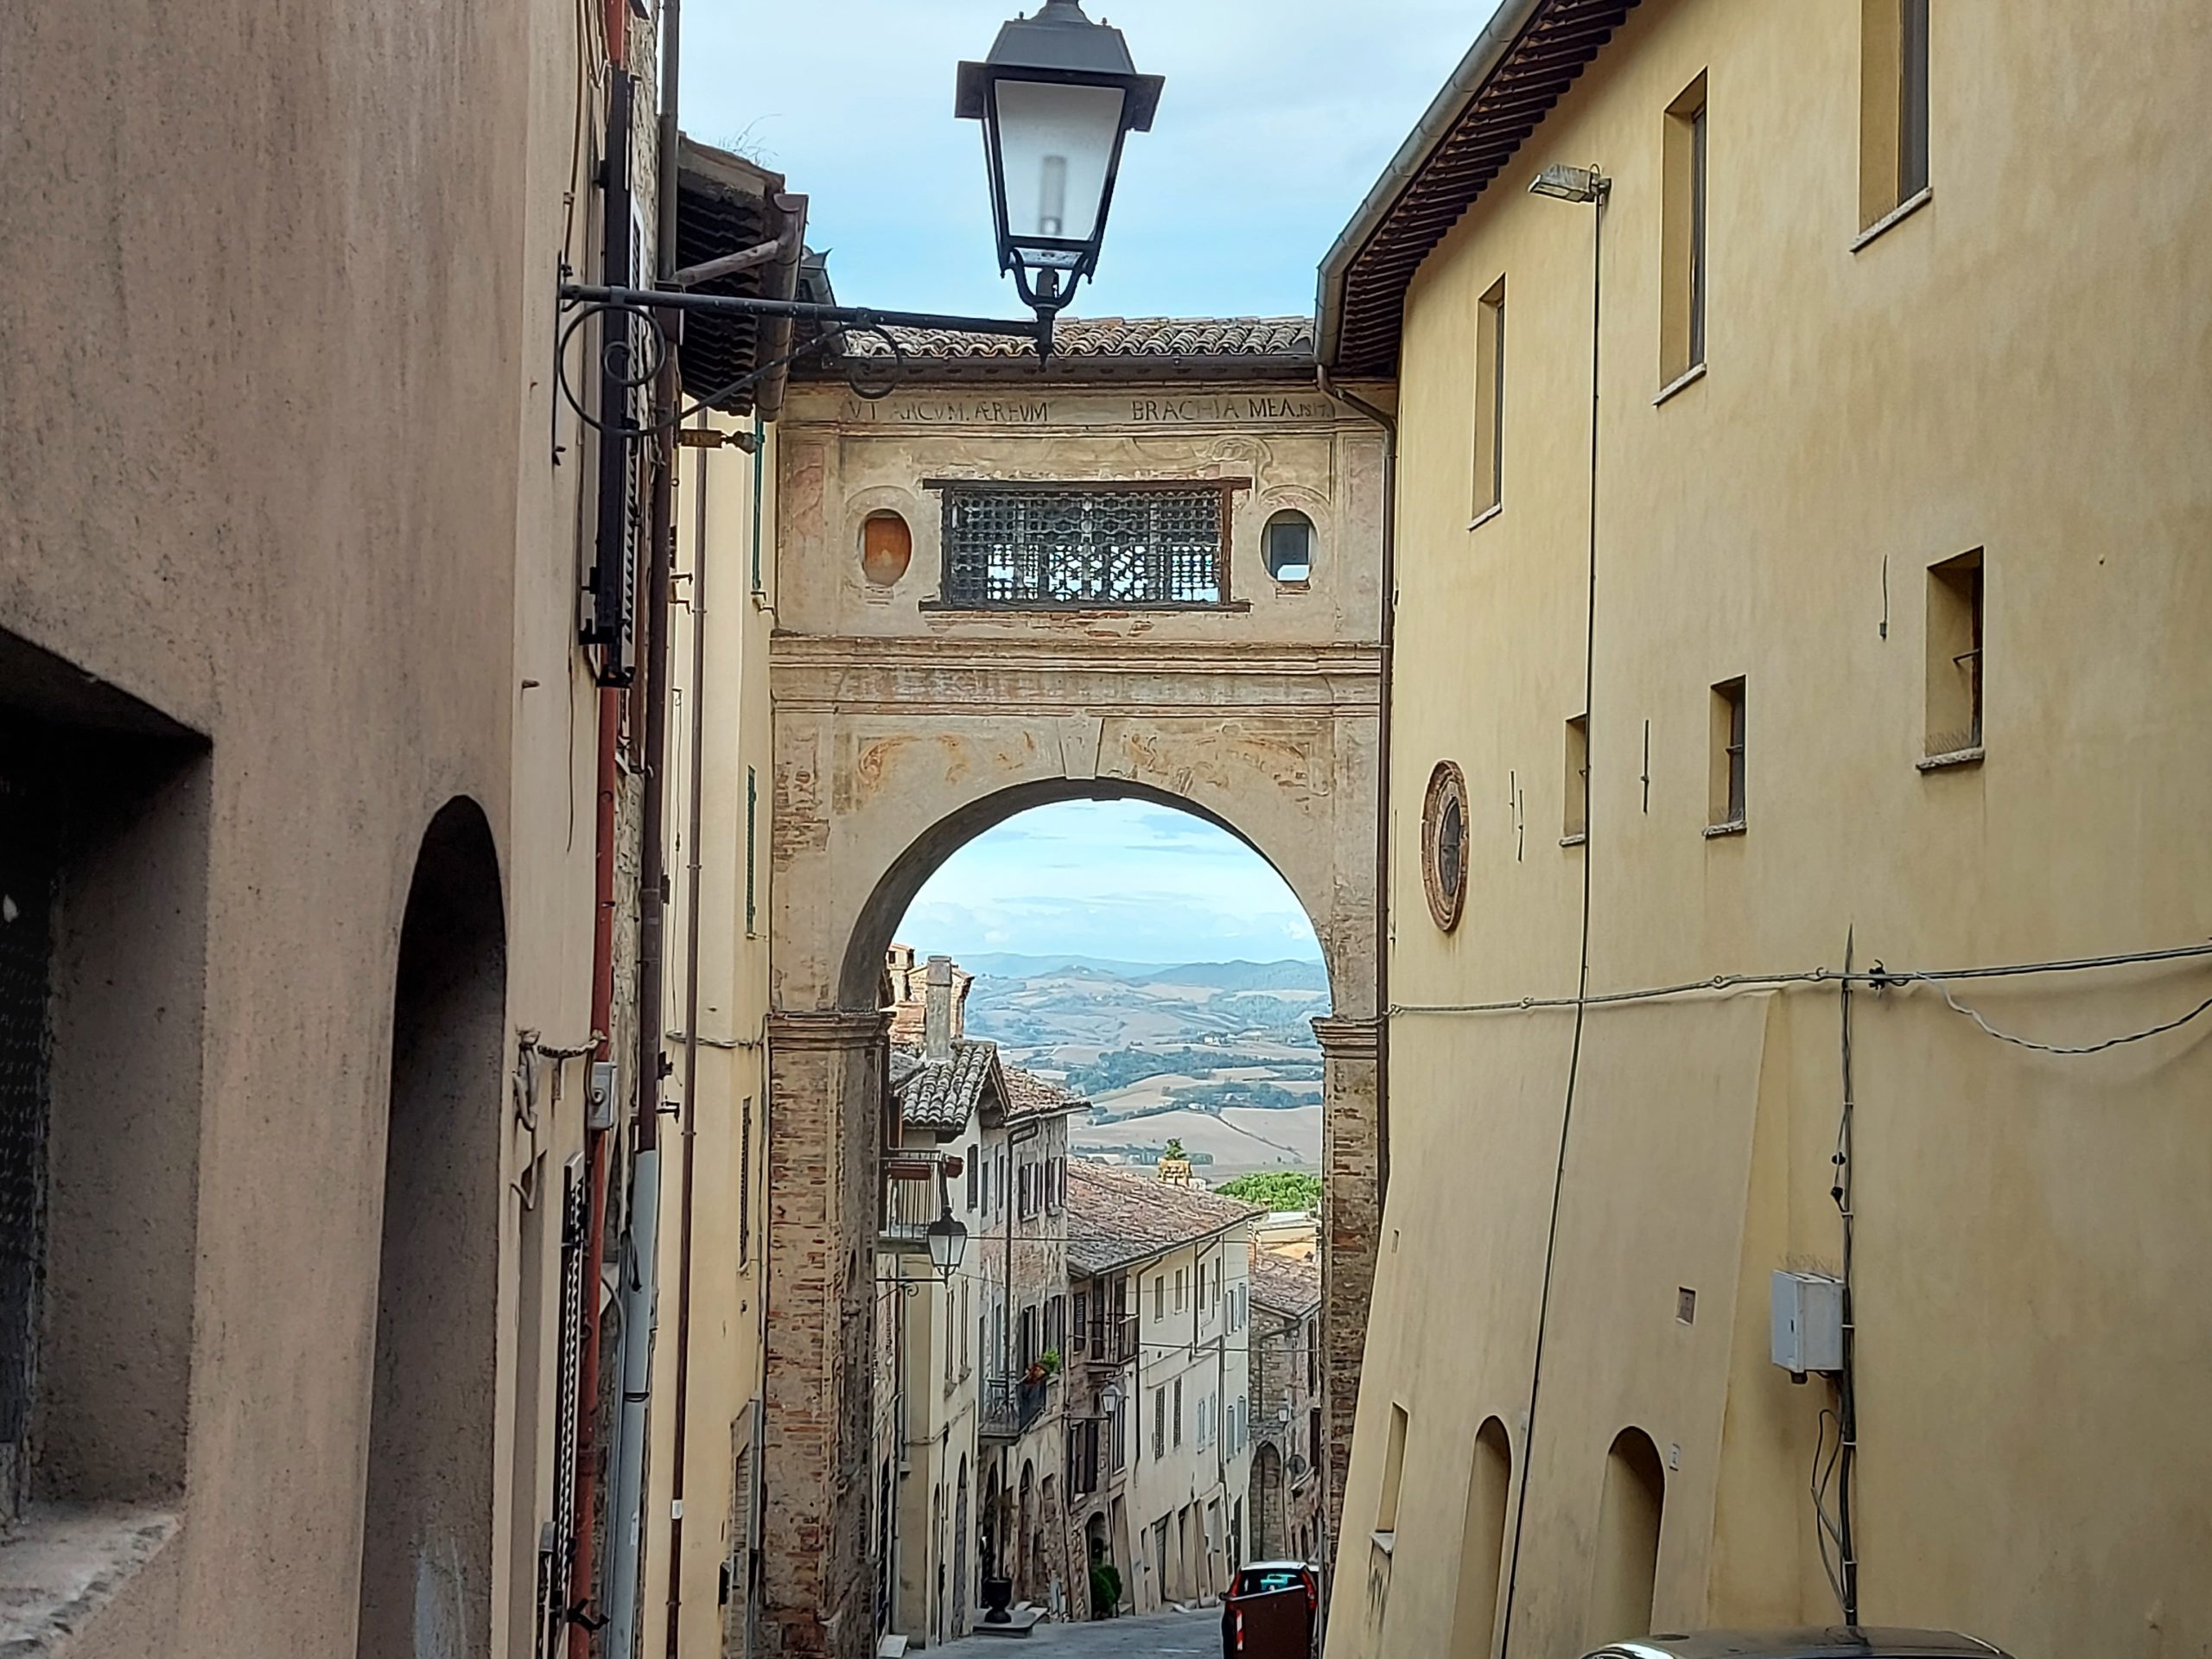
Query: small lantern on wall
(1056, 96)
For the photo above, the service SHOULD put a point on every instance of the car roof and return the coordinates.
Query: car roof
(1807, 1644)
(1276, 1566)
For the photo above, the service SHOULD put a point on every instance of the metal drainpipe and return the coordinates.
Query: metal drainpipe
(639, 1291)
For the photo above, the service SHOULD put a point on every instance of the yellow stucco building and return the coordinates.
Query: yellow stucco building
(1800, 557)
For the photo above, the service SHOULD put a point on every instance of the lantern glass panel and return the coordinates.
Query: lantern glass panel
(1055, 150)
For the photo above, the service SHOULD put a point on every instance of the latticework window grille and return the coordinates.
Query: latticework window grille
(1045, 545)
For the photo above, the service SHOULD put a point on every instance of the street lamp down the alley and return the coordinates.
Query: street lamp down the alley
(1057, 98)
(948, 1244)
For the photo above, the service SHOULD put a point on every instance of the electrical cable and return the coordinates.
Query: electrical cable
(1841, 1190)
(2159, 1030)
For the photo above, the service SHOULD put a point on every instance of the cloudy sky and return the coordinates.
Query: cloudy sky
(1113, 878)
(1278, 117)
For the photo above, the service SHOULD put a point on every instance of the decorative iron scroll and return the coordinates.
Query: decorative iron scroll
(1048, 545)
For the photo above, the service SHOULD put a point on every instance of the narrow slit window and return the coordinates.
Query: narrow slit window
(1957, 666)
(1894, 106)
(1730, 728)
(751, 851)
(1393, 1474)
(1489, 400)
(1574, 825)
(1912, 100)
(1683, 278)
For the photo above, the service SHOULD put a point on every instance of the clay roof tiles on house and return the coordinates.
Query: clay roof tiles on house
(1029, 1095)
(1117, 1217)
(1087, 349)
(945, 1095)
(1081, 337)
(1284, 1285)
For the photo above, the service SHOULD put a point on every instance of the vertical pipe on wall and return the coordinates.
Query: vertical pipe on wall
(639, 1290)
(693, 868)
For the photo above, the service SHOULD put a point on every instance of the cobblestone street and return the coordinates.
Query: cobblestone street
(1170, 1635)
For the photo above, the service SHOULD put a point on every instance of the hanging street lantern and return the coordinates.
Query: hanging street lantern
(948, 1244)
(1056, 96)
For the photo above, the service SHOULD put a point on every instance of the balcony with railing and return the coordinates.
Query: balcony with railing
(1013, 1404)
(914, 1194)
(1105, 1342)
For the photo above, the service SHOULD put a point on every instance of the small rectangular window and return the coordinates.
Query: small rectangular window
(1393, 1473)
(1894, 106)
(972, 1172)
(1178, 1411)
(1489, 400)
(1729, 728)
(1574, 825)
(1957, 668)
(1178, 1290)
(1159, 1296)
(1683, 276)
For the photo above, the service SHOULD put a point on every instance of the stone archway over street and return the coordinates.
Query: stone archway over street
(999, 588)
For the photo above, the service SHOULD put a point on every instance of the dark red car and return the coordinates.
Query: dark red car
(1269, 1613)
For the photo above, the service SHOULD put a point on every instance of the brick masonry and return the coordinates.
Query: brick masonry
(1352, 1216)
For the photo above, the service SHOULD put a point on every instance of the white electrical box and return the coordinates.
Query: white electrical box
(1808, 1323)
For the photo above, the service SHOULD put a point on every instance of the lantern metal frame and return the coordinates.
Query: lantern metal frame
(1058, 47)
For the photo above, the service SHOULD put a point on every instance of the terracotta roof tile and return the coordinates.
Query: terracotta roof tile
(1285, 1285)
(1168, 339)
(945, 1094)
(1029, 1095)
(1115, 1217)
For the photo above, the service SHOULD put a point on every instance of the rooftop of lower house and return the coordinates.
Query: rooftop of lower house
(1284, 1285)
(1117, 1217)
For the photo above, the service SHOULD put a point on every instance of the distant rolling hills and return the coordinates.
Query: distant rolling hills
(1220, 1055)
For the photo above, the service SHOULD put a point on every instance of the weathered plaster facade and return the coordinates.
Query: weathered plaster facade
(289, 576)
(903, 729)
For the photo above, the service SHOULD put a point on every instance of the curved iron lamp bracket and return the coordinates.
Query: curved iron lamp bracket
(636, 357)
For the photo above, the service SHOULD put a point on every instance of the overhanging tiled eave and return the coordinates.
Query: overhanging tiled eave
(726, 205)
(1505, 98)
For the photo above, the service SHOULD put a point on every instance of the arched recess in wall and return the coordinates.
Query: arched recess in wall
(862, 973)
(1482, 1544)
(1629, 1520)
(426, 1546)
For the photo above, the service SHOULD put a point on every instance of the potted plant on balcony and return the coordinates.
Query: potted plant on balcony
(1050, 1362)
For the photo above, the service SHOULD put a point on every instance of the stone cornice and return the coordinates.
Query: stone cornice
(1350, 1040)
(828, 1029)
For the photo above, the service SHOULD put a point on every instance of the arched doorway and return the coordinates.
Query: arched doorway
(426, 1566)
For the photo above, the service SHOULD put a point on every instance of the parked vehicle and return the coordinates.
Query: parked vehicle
(1803, 1644)
(1269, 1613)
